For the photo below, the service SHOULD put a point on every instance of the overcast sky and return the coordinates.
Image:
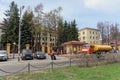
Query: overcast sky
(86, 12)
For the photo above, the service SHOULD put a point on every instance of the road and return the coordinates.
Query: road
(12, 66)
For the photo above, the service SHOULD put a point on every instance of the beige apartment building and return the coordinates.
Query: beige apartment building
(89, 35)
(1, 30)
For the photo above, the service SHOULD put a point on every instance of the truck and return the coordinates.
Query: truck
(97, 49)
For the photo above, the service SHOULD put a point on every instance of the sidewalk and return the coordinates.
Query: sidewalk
(48, 59)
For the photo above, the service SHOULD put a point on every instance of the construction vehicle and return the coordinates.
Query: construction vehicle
(97, 49)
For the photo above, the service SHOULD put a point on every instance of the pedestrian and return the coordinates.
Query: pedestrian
(52, 54)
(61, 51)
(57, 51)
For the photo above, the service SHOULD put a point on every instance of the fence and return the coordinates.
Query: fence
(29, 67)
(80, 60)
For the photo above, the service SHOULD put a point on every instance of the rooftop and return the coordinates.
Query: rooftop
(89, 29)
(73, 43)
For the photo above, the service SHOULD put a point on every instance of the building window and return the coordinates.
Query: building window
(53, 44)
(93, 32)
(93, 37)
(50, 39)
(50, 35)
(96, 37)
(83, 32)
(83, 37)
(90, 37)
(90, 32)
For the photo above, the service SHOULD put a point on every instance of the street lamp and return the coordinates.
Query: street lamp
(14, 49)
(21, 8)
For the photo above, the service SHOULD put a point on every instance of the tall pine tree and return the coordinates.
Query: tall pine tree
(11, 23)
(74, 31)
(67, 32)
(60, 33)
(27, 23)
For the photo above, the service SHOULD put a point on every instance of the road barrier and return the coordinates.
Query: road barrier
(81, 60)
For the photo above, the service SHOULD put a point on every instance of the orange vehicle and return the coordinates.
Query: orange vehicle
(91, 48)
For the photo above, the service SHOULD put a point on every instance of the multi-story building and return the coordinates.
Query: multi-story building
(45, 39)
(43, 36)
(89, 35)
(1, 30)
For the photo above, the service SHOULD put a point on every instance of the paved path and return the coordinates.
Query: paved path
(13, 65)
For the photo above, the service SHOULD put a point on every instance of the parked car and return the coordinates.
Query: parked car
(27, 54)
(39, 55)
(3, 55)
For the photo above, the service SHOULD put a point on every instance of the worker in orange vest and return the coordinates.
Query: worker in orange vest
(52, 55)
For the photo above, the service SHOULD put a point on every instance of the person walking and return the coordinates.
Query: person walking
(53, 55)
(61, 51)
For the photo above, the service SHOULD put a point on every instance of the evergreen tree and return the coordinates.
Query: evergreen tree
(60, 32)
(70, 31)
(74, 31)
(27, 23)
(69, 37)
(67, 32)
(11, 23)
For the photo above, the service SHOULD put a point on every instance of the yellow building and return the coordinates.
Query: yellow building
(89, 35)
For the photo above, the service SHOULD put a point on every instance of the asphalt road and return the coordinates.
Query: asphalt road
(13, 66)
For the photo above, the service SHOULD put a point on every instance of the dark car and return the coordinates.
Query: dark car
(39, 55)
(27, 54)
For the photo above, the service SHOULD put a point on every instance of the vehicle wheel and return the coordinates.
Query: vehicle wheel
(45, 57)
(6, 59)
(32, 58)
(22, 58)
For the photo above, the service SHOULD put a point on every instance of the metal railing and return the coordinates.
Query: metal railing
(81, 60)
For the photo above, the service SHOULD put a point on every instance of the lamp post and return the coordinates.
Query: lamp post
(14, 49)
(19, 37)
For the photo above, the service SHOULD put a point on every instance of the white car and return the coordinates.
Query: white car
(3, 55)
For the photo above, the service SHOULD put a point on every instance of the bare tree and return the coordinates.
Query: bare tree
(104, 28)
(52, 20)
(45, 24)
(114, 33)
(110, 32)
(37, 30)
(107, 32)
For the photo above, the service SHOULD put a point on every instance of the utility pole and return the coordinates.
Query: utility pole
(19, 37)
